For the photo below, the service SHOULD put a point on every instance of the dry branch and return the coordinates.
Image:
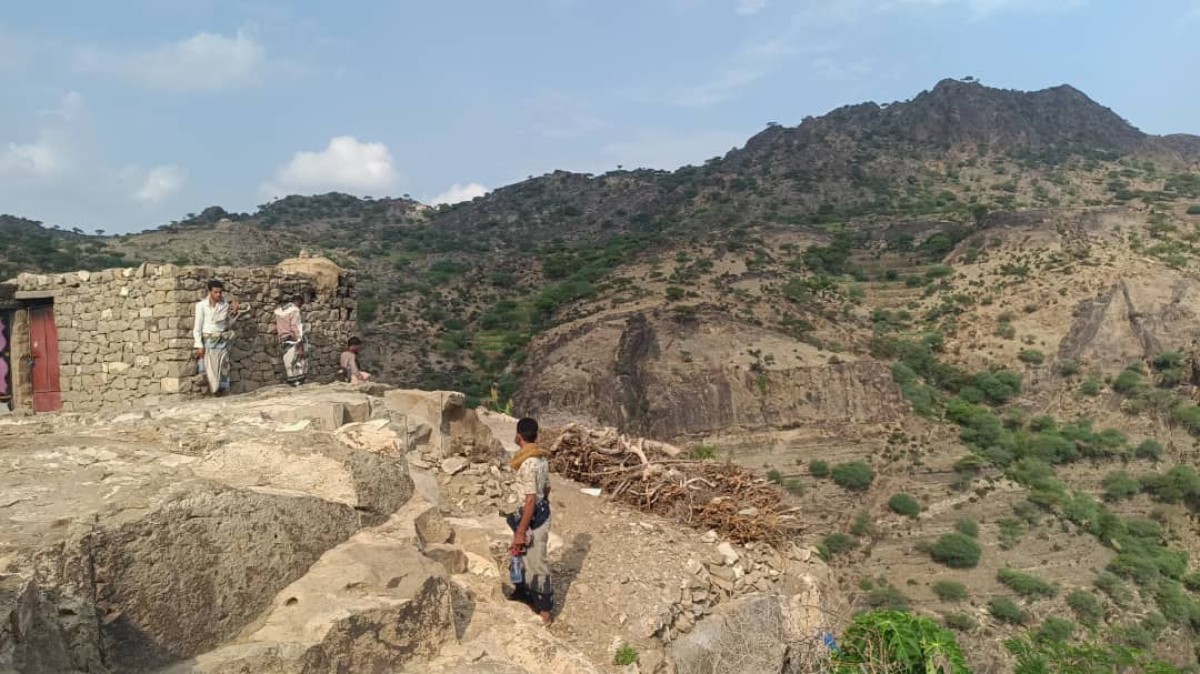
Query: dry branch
(703, 494)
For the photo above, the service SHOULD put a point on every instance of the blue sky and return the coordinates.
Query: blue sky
(126, 114)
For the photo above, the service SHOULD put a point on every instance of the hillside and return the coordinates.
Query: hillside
(975, 308)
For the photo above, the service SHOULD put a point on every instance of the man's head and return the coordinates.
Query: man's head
(527, 431)
(216, 290)
(354, 344)
(298, 300)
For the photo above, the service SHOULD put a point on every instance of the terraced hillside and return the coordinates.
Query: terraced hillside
(961, 328)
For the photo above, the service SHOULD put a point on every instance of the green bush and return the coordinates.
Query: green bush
(1006, 610)
(1149, 449)
(1086, 606)
(837, 543)
(1188, 416)
(897, 642)
(1119, 486)
(1116, 589)
(1055, 630)
(950, 590)
(818, 469)
(704, 452)
(1025, 585)
(1032, 356)
(1011, 530)
(854, 475)
(967, 527)
(1194, 209)
(1006, 330)
(1129, 381)
(774, 476)
(861, 526)
(1174, 603)
(960, 622)
(956, 551)
(1091, 386)
(794, 486)
(1068, 368)
(903, 504)
(626, 655)
(1038, 657)
(888, 598)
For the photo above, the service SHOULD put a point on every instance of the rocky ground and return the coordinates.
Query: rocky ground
(332, 529)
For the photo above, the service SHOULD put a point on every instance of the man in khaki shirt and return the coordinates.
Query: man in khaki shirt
(531, 522)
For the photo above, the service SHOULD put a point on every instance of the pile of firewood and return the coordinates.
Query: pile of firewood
(655, 477)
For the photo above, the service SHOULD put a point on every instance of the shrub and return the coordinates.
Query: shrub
(1129, 381)
(1176, 606)
(1091, 386)
(950, 590)
(956, 551)
(1087, 606)
(1068, 368)
(1032, 356)
(774, 476)
(887, 597)
(704, 452)
(1149, 449)
(1188, 416)
(1116, 589)
(1194, 209)
(967, 527)
(1011, 530)
(818, 469)
(675, 293)
(1006, 330)
(960, 622)
(626, 655)
(897, 642)
(862, 524)
(837, 543)
(1055, 630)
(903, 504)
(1119, 486)
(1006, 610)
(794, 486)
(854, 475)
(1025, 585)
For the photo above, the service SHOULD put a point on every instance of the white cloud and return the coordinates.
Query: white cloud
(669, 150)
(53, 152)
(458, 193)
(746, 7)
(203, 62)
(61, 176)
(345, 165)
(160, 183)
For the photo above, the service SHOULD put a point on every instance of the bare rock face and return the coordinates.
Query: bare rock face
(656, 378)
(369, 605)
(134, 542)
(197, 567)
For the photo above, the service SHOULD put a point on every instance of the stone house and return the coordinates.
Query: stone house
(81, 340)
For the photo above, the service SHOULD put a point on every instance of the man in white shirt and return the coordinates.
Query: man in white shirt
(211, 334)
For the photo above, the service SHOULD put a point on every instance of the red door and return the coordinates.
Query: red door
(43, 342)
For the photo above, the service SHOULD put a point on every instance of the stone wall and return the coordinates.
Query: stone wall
(125, 335)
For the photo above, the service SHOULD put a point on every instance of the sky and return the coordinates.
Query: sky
(126, 114)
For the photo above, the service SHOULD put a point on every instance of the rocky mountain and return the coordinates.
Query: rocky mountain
(960, 329)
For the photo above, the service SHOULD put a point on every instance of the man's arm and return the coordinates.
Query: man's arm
(198, 328)
(526, 517)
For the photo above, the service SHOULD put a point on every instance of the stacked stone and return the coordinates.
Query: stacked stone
(125, 335)
(727, 573)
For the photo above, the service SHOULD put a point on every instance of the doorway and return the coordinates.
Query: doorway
(43, 358)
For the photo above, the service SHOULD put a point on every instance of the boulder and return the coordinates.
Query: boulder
(373, 483)
(742, 636)
(376, 435)
(372, 604)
